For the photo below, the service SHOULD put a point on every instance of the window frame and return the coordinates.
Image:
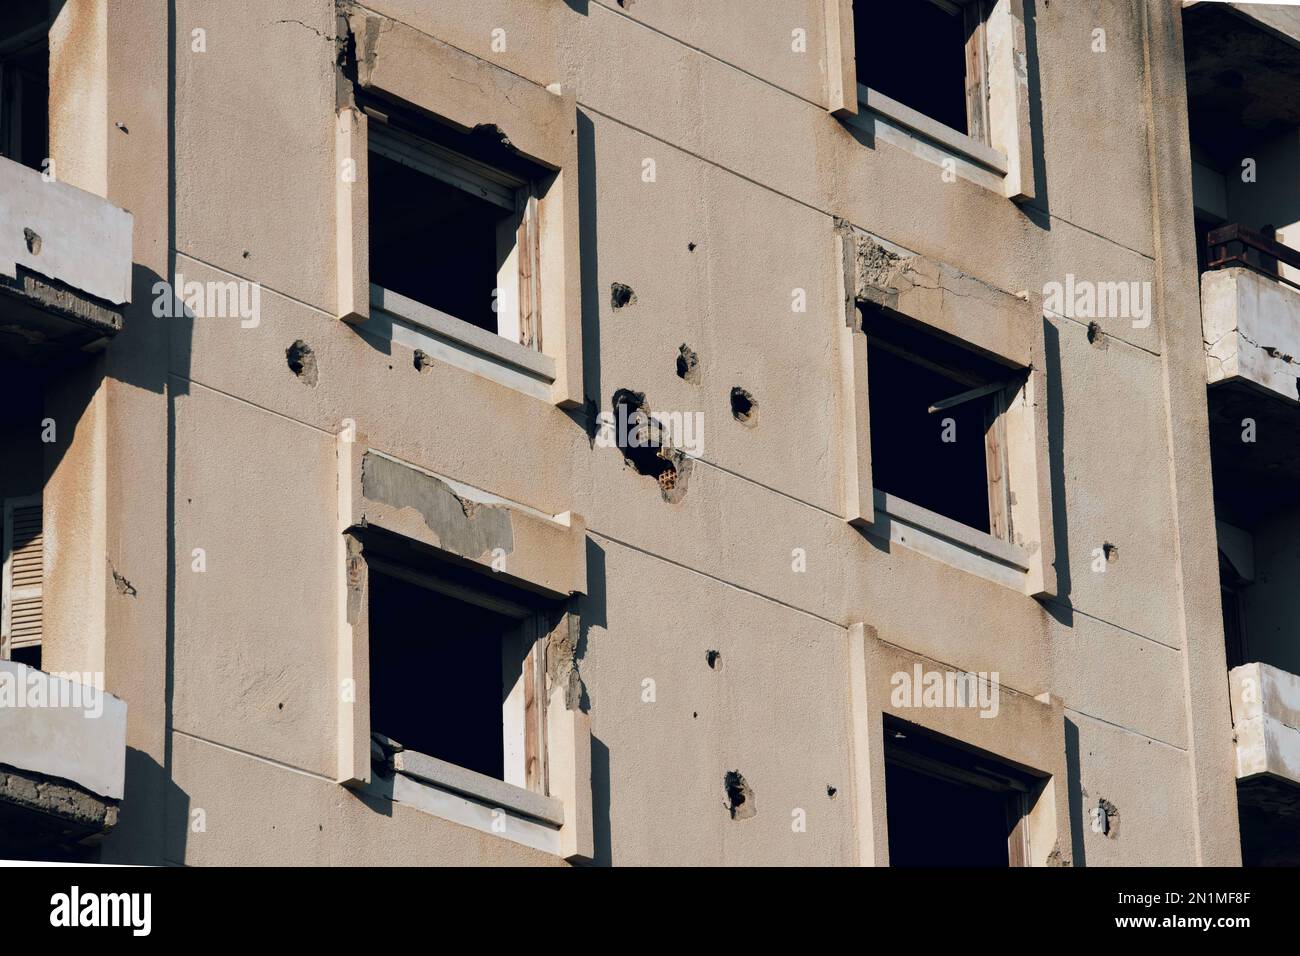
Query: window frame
(990, 323)
(1001, 394)
(520, 269)
(413, 72)
(538, 580)
(1027, 737)
(1013, 785)
(997, 153)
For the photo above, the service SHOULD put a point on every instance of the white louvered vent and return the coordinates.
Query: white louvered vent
(24, 574)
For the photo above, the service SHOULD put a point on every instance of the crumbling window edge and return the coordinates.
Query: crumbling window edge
(553, 813)
(1027, 566)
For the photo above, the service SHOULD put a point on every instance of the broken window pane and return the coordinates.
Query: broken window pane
(948, 806)
(938, 460)
(914, 51)
(436, 673)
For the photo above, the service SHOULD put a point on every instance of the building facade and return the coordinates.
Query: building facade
(811, 432)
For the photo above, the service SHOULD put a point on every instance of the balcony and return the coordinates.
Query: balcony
(62, 763)
(1266, 727)
(65, 267)
(1250, 312)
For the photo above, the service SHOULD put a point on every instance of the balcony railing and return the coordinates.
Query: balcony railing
(1232, 245)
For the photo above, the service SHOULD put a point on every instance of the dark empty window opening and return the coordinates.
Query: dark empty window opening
(440, 672)
(928, 55)
(949, 806)
(24, 82)
(937, 428)
(453, 232)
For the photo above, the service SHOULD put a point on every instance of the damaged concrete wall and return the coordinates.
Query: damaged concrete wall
(727, 250)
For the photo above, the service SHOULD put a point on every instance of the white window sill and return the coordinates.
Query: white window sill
(395, 318)
(474, 800)
(949, 541)
(917, 133)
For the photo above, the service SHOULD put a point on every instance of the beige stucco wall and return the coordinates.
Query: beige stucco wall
(213, 443)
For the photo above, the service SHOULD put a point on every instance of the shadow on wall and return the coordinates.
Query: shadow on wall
(1039, 211)
(1074, 790)
(155, 819)
(1059, 607)
(593, 614)
(588, 258)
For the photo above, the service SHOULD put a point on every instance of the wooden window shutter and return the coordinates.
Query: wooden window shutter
(24, 575)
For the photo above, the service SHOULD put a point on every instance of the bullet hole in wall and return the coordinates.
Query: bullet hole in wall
(714, 658)
(690, 247)
(1111, 551)
(744, 408)
(621, 296)
(422, 360)
(1096, 336)
(302, 362)
(1105, 819)
(831, 791)
(33, 242)
(740, 796)
(688, 364)
(645, 445)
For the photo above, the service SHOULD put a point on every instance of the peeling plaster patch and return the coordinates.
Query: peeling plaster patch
(422, 361)
(469, 529)
(356, 571)
(562, 661)
(744, 408)
(121, 583)
(740, 796)
(1057, 858)
(646, 447)
(714, 658)
(877, 266)
(621, 296)
(688, 364)
(302, 362)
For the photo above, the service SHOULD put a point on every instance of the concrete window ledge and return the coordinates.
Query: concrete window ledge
(395, 318)
(950, 541)
(471, 799)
